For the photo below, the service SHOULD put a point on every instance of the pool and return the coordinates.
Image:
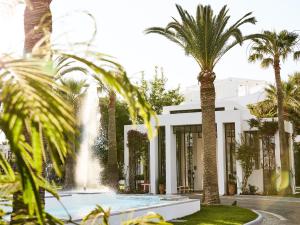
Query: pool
(122, 206)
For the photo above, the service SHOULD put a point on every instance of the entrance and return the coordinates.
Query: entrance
(189, 155)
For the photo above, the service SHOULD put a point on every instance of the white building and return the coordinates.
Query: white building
(175, 152)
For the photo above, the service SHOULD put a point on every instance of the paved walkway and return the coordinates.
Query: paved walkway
(276, 210)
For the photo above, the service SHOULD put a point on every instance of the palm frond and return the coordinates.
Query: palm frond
(204, 36)
(30, 105)
(266, 62)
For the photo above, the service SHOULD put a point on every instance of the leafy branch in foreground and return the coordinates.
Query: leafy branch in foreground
(31, 105)
(98, 214)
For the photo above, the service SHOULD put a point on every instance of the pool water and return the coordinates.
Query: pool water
(79, 205)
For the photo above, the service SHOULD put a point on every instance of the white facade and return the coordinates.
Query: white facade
(232, 96)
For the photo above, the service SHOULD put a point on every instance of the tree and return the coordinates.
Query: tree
(156, 93)
(76, 90)
(122, 119)
(112, 159)
(207, 38)
(272, 49)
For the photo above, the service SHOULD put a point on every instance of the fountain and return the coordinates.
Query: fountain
(88, 167)
(89, 192)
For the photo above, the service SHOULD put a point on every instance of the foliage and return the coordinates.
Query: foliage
(205, 37)
(138, 144)
(221, 215)
(272, 46)
(98, 214)
(122, 119)
(94, 216)
(291, 103)
(31, 105)
(156, 93)
(265, 128)
(246, 154)
(149, 219)
(31, 101)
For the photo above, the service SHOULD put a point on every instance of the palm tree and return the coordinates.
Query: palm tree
(272, 49)
(112, 159)
(76, 90)
(207, 38)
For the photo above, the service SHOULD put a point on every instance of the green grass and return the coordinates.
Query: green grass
(219, 215)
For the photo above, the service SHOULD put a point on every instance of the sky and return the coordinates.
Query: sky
(120, 33)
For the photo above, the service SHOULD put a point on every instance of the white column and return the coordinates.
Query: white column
(153, 164)
(277, 160)
(171, 178)
(221, 158)
(239, 170)
(126, 159)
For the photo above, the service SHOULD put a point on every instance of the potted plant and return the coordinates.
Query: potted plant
(161, 184)
(231, 184)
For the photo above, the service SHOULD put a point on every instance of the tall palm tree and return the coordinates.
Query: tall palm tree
(76, 90)
(272, 49)
(207, 38)
(112, 159)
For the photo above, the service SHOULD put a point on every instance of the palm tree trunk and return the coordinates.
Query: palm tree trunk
(37, 23)
(285, 181)
(210, 175)
(112, 160)
(69, 178)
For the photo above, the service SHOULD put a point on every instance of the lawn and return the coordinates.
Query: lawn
(221, 215)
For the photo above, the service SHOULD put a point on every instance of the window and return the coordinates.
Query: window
(161, 152)
(230, 151)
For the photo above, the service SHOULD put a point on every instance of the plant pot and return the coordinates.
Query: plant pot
(161, 188)
(231, 189)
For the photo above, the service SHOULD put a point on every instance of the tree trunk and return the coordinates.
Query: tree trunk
(69, 180)
(37, 23)
(112, 160)
(210, 175)
(132, 169)
(285, 181)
